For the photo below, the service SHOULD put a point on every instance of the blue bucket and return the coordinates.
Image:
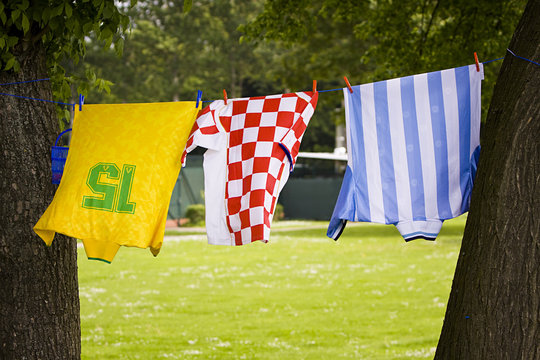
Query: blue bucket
(58, 156)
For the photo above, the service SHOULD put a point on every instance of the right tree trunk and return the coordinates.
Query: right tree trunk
(494, 306)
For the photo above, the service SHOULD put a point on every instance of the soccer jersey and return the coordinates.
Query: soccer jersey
(413, 145)
(121, 168)
(252, 146)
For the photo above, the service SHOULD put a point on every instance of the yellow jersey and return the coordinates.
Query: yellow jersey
(121, 168)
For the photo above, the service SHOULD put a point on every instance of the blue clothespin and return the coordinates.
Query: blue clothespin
(199, 97)
(81, 101)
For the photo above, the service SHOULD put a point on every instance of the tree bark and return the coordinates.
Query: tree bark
(494, 305)
(39, 302)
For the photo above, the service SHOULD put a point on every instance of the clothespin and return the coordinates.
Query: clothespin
(81, 101)
(476, 61)
(199, 97)
(225, 96)
(348, 84)
(314, 86)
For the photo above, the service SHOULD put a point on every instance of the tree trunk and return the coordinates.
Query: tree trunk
(494, 305)
(39, 302)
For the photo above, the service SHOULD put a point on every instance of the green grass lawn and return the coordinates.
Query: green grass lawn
(301, 296)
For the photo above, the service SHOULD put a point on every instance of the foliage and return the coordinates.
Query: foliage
(195, 214)
(170, 54)
(377, 40)
(60, 26)
(301, 296)
(317, 36)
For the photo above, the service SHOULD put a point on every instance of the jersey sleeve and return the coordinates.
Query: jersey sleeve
(205, 132)
(290, 143)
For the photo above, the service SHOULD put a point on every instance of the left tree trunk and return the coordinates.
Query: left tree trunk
(39, 302)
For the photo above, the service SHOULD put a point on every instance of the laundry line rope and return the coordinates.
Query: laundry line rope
(205, 101)
(31, 98)
(25, 82)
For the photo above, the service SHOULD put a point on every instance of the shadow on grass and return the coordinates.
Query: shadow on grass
(452, 231)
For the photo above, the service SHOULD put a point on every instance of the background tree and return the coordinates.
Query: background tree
(169, 54)
(494, 306)
(39, 304)
(378, 40)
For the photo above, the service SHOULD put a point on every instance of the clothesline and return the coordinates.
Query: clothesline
(31, 98)
(522, 58)
(321, 91)
(24, 82)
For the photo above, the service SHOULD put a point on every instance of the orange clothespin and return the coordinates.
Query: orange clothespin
(314, 86)
(476, 61)
(348, 84)
(225, 96)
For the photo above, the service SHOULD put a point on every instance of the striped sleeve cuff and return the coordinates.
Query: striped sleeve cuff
(428, 229)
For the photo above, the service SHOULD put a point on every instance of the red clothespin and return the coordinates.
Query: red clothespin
(314, 86)
(476, 61)
(348, 84)
(225, 96)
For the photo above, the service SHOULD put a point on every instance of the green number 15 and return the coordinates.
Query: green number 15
(112, 195)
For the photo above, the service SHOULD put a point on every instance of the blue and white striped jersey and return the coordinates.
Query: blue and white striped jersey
(413, 145)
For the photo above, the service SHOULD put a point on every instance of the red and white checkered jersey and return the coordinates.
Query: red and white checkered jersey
(261, 137)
